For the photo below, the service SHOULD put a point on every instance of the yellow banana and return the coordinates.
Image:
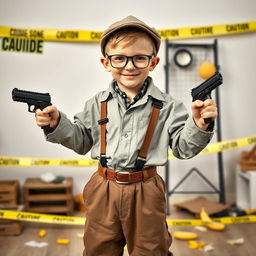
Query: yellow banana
(196, 245)
(183, 235)
(249, 212)
(63, 241)
(210, 223)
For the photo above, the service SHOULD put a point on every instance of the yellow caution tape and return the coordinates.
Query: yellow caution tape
(222, 146)
(86, 162)
(223, 220)
(94, 36)
(50, 34)
(41, 218)
(26, 162)
(67, 220)
(206, 31)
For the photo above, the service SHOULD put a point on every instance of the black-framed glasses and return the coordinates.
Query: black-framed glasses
(138, 61)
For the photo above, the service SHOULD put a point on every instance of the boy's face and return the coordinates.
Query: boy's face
(129, 78)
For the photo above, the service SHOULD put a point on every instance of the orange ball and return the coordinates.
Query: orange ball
(206, 70)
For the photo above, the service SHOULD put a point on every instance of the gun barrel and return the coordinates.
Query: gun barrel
(21, 95)
(207, 86)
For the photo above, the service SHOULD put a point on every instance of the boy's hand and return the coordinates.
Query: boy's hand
(48, 116)
(202, 110)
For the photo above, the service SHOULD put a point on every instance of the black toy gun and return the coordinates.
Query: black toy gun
(203, 91)
(34, 100)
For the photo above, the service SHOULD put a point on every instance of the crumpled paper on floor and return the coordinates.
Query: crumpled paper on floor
(36, 244)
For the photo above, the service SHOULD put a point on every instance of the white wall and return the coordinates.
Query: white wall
(72, 73)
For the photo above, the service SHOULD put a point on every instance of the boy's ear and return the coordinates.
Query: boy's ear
(106, 64)
(154, 62)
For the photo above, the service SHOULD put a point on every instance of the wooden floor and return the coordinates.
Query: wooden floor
(15, 245)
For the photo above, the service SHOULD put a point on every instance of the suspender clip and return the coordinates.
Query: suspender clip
(103, 160)
(103, 121)
(139, 164)
(157, 103)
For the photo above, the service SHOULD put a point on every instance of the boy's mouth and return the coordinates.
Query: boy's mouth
(130, 75)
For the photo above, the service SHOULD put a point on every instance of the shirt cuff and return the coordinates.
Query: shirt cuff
(198, 136)
(55, 135)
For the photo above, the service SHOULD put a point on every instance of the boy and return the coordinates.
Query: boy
(129, 128)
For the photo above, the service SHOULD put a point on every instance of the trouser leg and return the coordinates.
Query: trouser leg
(103, 234)
(144, 219)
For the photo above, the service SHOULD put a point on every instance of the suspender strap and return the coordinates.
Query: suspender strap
(103, 123)
(141, 160)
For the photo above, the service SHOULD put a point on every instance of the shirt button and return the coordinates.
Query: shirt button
(126, 135)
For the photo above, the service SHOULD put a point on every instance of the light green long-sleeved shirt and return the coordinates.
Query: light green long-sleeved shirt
(126, 130)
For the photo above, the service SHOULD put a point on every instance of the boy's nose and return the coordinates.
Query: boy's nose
(129, 64)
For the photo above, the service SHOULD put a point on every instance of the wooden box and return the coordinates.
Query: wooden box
(55, 198)
(246, 189)
(248, 160)
(9, 192)
(11, 227)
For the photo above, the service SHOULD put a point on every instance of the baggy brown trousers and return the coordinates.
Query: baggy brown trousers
(120, 214)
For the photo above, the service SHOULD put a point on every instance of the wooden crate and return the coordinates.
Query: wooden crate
(41, 197)
(11, 227)
(9, 192)
(248, 160)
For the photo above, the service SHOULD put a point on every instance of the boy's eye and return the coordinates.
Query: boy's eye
(140, 58)
(119, 58)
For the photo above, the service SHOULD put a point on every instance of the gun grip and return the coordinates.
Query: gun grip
(47, 129)
(208, 120)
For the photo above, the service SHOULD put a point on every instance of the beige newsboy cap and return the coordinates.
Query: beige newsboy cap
(128, 22)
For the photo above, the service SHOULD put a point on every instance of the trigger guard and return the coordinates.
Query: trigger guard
(30, 107)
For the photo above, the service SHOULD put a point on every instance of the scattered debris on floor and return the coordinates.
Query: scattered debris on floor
(238, 241)
(195, 205)
(36, 244)
(80, 235)
(208, 248)
(200, 246)
(201, 228)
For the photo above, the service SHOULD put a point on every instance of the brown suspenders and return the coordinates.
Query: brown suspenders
(141, 159)
(103, 132)
(142, 156)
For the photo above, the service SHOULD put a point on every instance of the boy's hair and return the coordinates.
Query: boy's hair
(129, 22)
(129, 35)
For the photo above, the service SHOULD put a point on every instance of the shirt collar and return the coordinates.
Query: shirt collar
(108, 93)
(124, 97)
(152, 91)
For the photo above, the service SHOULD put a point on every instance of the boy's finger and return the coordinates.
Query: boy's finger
(43, 118)
(197, 104)
(39, 112)
(210, 108)
(209, 102)
(49, 109)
